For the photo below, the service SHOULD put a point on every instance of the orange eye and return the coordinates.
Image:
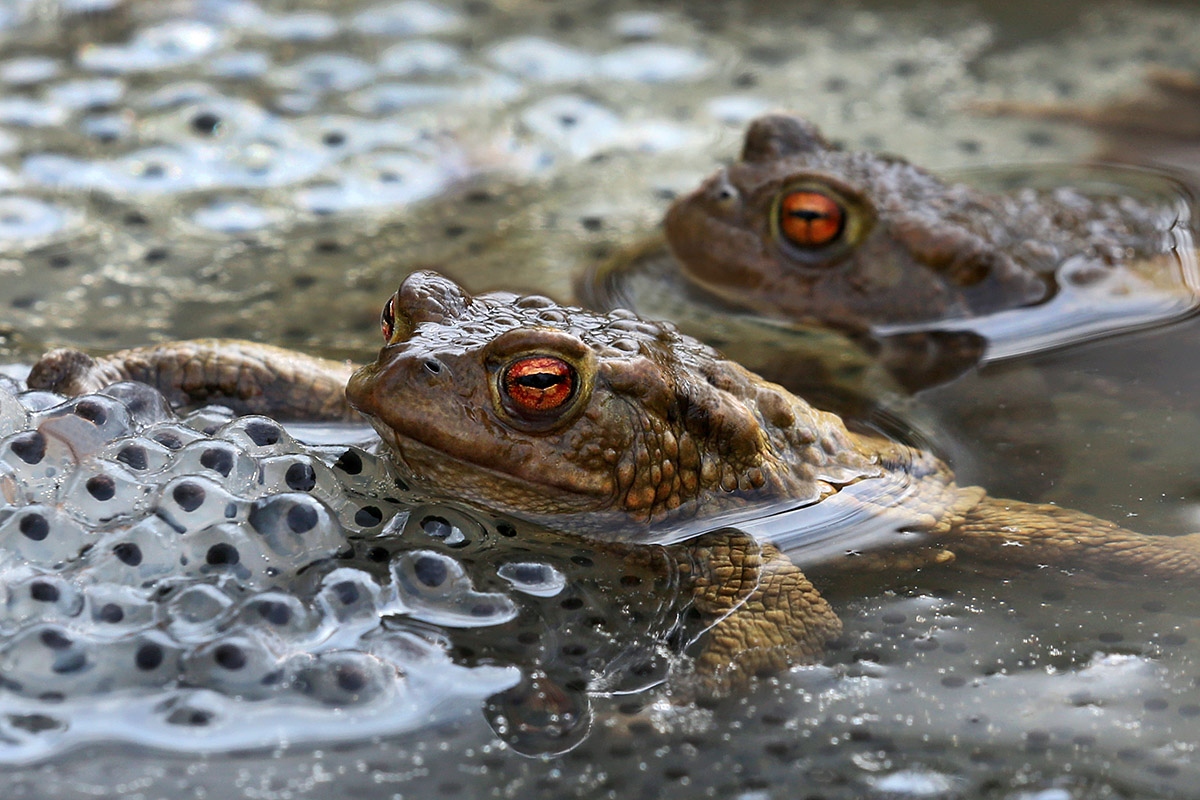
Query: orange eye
(811, 219)
(387, 320)
(539, 383)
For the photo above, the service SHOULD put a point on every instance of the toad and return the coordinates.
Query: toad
(632, 432)
(912, 271)
(801, 228)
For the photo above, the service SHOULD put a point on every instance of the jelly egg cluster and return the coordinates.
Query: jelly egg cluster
(190, 563)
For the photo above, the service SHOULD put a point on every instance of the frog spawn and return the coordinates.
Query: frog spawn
(212, 572)
(580, 617)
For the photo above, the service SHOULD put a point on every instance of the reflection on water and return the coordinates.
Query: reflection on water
(1108, 427)
(229, 167)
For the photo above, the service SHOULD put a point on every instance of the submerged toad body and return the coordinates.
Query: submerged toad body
(802, 229)
(622, 428)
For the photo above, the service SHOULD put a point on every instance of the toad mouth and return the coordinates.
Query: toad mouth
(422, 463)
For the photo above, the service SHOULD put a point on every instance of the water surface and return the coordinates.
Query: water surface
(271, 170)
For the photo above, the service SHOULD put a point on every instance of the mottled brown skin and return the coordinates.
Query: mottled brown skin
(913, 247)
(661, 430)
(661, 435)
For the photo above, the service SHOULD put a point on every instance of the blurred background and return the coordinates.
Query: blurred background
(220, 167)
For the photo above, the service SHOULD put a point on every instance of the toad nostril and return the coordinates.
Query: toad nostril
(434, 367)
(723, 190)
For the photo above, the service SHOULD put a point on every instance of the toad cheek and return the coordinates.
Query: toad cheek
(360, 389)
(714, 250)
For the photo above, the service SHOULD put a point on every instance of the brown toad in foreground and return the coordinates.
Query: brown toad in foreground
(626, 429)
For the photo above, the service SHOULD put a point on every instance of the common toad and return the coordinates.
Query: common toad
(827, 268)
(803, 229)
(626, 430)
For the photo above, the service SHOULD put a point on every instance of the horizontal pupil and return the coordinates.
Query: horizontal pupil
(387, 318)
(540, 380)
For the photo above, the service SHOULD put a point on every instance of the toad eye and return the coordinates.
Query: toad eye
(387, 319)
(811, 219)
(537, 384)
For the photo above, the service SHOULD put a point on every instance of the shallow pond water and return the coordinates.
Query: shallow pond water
(271, 170)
